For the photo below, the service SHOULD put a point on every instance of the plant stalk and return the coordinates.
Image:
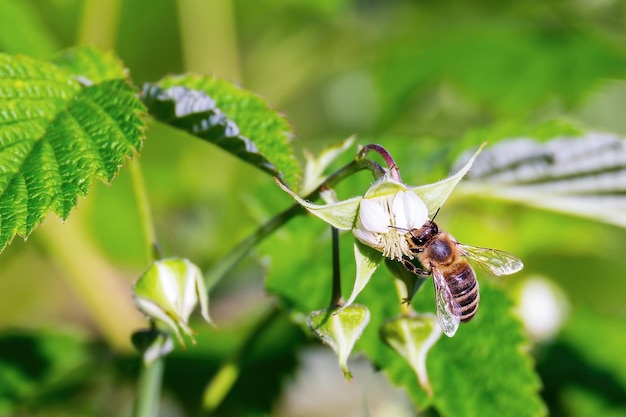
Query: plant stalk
(336, 298)
(394, 171)
(151, 376)
(153, 249)
(149, 390)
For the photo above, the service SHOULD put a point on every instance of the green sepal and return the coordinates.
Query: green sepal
(152, 344)
(367, 260)
(340, 329)
(434, 195)
(340, 215)
(412, 338)
(384, 187)
(411, 281)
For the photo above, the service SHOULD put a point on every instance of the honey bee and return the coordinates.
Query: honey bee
(447, 260)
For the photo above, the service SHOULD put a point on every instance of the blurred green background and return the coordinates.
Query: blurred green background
(426, 79)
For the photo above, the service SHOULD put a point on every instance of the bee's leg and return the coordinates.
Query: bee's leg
(414, 269)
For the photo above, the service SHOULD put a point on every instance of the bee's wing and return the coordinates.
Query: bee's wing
(448, 310)
(498, 262)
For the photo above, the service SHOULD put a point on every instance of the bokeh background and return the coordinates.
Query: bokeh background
(424, 78)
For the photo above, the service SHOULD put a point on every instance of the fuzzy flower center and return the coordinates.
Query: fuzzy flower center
(383, 222)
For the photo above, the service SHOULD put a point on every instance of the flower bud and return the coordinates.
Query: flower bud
(168, 292)
(340, 331)
(412, 338)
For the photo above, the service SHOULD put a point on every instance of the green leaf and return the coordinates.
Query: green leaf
(91, 65)
(57, 135)
(233, 119)
(486, 370)
(583, 176)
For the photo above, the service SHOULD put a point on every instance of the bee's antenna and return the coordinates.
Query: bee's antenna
(399, 228)
(435, 215)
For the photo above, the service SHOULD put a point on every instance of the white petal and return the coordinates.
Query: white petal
(399, 210)
(415, 209)
(374, 215)
(370, 239)
(171, 286)
(151, 309)
(190, 295)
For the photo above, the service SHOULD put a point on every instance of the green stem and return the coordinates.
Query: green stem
(335, 298)
(209, 38)
(220, 269)
(394, 171)
(99, 21)
(227, 375)
(150, 378)
(149, 390)
(153, 248)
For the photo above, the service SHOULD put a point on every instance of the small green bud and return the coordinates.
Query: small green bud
(340, 331)
(168, 292)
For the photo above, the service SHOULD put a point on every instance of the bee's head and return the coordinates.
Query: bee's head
(424, 234)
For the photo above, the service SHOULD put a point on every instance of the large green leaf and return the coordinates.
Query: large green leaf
(481, 371)
(235, 120)
(583, 176)
(60, 128)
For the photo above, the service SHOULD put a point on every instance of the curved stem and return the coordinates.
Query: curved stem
(394, 171)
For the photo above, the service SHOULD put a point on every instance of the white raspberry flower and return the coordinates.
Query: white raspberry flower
(383, 222)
